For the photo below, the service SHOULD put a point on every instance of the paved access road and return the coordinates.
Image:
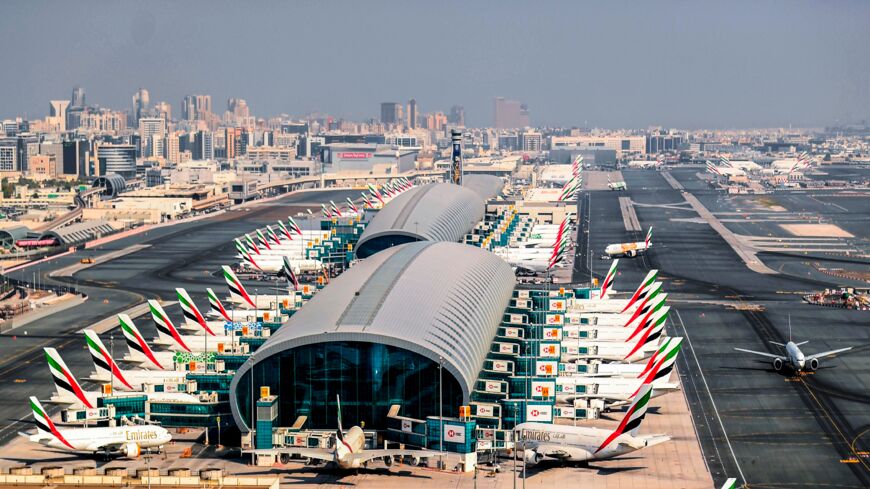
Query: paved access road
(184, 255)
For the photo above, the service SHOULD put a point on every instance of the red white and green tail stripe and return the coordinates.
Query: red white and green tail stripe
(191, 312)
(263, 241)
(216, 305)
(251, 244)
(63, 378)
(633, 417)
(44, 424)
(652, 299)
(661, 365)
(135, 340)
(648, 239)
(642, 288)
(164, 324)
(608, 279)
(284, 230)
(653, 330)
(352, 206)
(103, 361)
(237, 290)
(295, 227)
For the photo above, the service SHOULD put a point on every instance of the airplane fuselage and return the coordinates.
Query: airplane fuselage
(94, 439)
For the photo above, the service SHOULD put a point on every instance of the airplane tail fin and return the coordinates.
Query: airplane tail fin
(165, 329)
(653, 331)
(642, 289)
(66, 386)
(191, 313)
(139, 349)
(294, 226)
(338, 403)
(662, 363)
(608, 280)
(288, 272)
(246, 254)
(44, 426)
(648, 239)
(285, 230)
(216, 305)
(106, 367)
(653, 300)
(633, 417)
(237, 290)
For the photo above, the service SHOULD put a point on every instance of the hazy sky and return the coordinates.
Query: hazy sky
(685, 64)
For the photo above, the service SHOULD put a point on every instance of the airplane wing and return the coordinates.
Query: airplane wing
(768, 355)
(312, 453)
(367, 455)
(827, 353)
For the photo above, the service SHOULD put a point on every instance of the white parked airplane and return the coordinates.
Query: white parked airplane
(616, 185)
(347, 450)
(138, 350)
(540, 441)
(630, 250)
(117, 441)
(70, 393)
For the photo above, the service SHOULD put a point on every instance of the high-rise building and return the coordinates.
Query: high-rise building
(152, 130)
(141, 102)
(203, 146)
(8, 155)
(238, 107)
(231, 136)
(78, 97)
(509, 114)
(164, 111)
(412, 113)
(173, 152)
(115, 158)
(530, 141)
(457, 115)
(57, 113)
(196, 107)
(391, 113)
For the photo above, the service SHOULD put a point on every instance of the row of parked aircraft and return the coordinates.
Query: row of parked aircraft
(198, 333)
(730, 168)
(628, 361)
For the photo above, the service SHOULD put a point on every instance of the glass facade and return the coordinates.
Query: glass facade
(369, 377)
(381, 243)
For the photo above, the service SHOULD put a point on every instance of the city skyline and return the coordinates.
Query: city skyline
(708, 67)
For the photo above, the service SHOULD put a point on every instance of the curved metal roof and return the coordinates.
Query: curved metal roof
(79, 232)
(113, 184)
(433, 212)
(406, 297)
(486, 186)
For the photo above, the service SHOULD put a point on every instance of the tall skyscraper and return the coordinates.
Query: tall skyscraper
(238, 107)
(412, 113)
(115, 158)
(457, 115)
(57, 112)
(509, 114)
(391, 113)
(203, 146)
(78, 97)
(141, 101)
(195, 107)
(164, 111)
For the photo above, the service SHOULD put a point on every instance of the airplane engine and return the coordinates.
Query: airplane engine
(130, 450)
(532, 457)
(777, 364)
(631, 253)
(388, 461)
(813, 364)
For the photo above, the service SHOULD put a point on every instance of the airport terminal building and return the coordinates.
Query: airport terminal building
(379, 335)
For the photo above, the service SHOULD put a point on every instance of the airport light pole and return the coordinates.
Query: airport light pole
(441, 411)
(253, 408)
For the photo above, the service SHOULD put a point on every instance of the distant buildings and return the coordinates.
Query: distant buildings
(57, 114)
(141, 102)
(457, 116)
(391, 113)
(78, 97)
(412, 113)
(196, 107)
(509, 114)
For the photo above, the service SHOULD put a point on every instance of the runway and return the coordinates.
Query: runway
(183, 255)
(775, 430)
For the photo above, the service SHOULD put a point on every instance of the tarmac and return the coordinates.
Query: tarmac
(766, 429)
(184, 255)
